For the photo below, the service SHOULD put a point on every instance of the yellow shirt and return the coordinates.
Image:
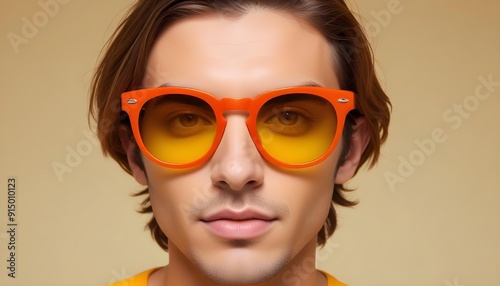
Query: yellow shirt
(141, 279)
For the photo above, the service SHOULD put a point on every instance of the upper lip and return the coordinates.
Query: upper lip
(228, 214)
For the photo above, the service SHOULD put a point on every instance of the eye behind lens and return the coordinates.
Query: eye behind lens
(177, 129)
(298, 128)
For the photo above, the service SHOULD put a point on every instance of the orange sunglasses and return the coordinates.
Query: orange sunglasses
(294, 127)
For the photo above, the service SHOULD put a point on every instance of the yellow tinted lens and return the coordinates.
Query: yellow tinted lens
(297, 128)
(177, 129)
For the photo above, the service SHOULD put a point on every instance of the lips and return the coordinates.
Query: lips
(244, 225)
(242, 215)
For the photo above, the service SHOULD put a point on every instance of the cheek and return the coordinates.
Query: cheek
(314, 203)
(171, 197)
(308, 196)
(308, 202)
(165, 209)
(311, 201)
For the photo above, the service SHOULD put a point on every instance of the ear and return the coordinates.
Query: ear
(359, 141)
(130, 148)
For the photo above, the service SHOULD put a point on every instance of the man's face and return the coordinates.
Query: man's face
(238, 218)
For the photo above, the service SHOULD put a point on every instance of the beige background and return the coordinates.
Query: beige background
(432, 221)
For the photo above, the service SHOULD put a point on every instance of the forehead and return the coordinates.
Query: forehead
(257, 51)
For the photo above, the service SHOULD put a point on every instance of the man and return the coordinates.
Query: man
(244, 119)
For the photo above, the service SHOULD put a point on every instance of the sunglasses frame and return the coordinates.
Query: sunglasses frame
(343, 102)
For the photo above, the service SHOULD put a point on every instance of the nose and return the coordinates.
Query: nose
(236, 164)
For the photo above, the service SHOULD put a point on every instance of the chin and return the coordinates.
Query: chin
(241, 267)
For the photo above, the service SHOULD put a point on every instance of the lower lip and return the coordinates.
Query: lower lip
(239, 229)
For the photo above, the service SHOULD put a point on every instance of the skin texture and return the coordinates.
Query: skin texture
(242, 57)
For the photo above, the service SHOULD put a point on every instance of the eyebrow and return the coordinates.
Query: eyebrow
(305, 83)
(311, 83)
(166, 84)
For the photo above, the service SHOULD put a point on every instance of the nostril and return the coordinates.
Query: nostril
(252, 183)
(222, 185)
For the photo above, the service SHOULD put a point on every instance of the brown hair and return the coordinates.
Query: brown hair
(123, 68)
